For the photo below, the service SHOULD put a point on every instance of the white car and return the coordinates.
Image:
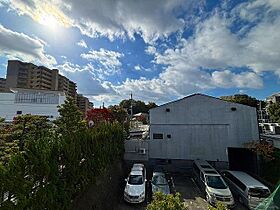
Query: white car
(135, 189)
(217, 190)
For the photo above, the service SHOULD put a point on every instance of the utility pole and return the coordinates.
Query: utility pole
(131, 111)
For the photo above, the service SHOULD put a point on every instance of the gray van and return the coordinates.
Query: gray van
(248, 190)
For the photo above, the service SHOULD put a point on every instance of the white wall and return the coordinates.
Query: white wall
(201, 127)
(8, 108)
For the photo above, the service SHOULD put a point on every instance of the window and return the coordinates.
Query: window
(216, 182)
(167, 110)
(36, 97)
(135, 179)
(157, 136)
(19, 112)
(169, 136)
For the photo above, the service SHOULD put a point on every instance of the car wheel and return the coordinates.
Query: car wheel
(207, 198)
(240, 200)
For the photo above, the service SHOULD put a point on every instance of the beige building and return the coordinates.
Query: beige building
(83, 103)
(275, 98)
(19, 74)
(67, 86)
(30, 76)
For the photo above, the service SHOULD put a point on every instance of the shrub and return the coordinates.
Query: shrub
(219, 206)
(166, 202)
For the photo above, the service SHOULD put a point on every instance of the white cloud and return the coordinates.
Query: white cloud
(82, 43)
(137, 67)
(256, 10)
(16, 45)
(202, 62)
(226, 79)
(150, 50)
(262, 50)
(108, 60)
(84, 76)
(122, 18)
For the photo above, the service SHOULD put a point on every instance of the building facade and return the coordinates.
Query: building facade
(19, 74)
(3, 85)
(29, 76)
(90, 105)
(27, 101)
(200, 127)
(83, 103)
(275, 98)
(67, 86)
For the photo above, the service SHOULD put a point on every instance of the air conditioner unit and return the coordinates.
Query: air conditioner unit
(142, 151)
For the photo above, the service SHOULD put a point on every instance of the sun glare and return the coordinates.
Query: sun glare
(48, 20)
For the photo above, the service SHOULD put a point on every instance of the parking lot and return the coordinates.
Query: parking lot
(185, 185)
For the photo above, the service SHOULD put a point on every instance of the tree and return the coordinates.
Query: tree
(263, 148)
(138, 106)
(15, 137)
(242, 99)
(99, 115)
(57, 163)
(274, 112)
(118, 113)
(71, 118)
(166, 202)
(151, 105)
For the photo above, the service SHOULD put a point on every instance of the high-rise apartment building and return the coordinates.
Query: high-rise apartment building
(83, 103)
(44, 79)
(30, 76)
(90, 105)
(67, 86)
(2, 85)
(19, 74)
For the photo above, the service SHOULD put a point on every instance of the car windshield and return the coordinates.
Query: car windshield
(215, 182)
(259, 192)
(135, 179)
(159, 180)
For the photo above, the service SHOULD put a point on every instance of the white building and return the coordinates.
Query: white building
(200, 127)
(30, 101)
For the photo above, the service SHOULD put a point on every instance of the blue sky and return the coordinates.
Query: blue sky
(159, 50)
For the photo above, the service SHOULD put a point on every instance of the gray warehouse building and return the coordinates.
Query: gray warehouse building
(200, 127)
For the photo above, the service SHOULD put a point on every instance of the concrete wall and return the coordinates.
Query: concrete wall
(132, 150)
(200, 127)
(8, 107)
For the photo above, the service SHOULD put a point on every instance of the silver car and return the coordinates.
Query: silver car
(160, 183)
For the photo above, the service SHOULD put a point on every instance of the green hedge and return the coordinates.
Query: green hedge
(52, 169)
